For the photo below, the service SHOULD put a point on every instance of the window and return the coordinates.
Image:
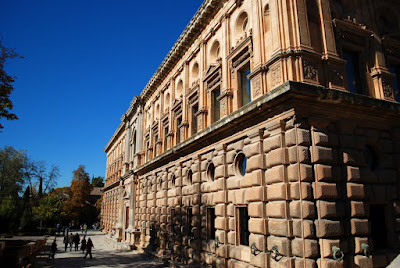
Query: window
(173, 181)
(245, 90)
(240, 164)
(189, 222)
(195, 109)
(178, 131)
(353, 72)
(396, 83)
(155, 144)
(242, 225)
(214, 52)
(179, 89)
(242, 23)
(189, 177)
(216, 113)
(166, 130)
(211, 171)
(211, 223)
(378, 226)
(267, 21)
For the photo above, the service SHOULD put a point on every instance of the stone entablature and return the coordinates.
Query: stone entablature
(226, 86)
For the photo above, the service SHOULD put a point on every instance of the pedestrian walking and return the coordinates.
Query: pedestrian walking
(76, 241)
(89, 247)
(81, 228)
(83, 245)
(65, 241)
(53, 249)
(70, 241)
(85, 228)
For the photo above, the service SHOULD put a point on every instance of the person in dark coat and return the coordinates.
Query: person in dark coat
(89, 247)
(83, 245)
(53, 249)
(65, 241)
(76, 241)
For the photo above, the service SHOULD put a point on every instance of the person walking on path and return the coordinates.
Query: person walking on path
(83, 245)
(89, 247)
(65, 241)
(85, 228)
(81, 228)
(70, 241)
(53, 249)
(76, 241)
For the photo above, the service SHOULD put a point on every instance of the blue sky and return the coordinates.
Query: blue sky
(83, 63)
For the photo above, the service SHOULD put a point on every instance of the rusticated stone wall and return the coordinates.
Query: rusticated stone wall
(309, 184)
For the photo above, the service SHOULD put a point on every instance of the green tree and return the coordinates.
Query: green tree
(49, 209)
(12, 176)
(6, 84)
(98, 181)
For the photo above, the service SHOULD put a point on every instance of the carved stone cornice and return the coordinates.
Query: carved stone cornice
(196, 25)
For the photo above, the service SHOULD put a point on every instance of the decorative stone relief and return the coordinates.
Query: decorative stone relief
(387, 89)
(182, 133)
(276, 76)
(257, 86)
(337, 77)
(224, 108)
(200, 122)
(310, 71)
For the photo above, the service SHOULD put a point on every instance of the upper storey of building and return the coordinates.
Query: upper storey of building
(233, 52)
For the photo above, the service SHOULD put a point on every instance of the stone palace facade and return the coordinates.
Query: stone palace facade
(268, 137)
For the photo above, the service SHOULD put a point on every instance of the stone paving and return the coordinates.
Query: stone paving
(104, 255)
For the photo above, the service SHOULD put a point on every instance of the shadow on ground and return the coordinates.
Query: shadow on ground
(106, 260)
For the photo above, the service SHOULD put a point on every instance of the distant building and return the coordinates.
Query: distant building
(95, 195)
(269, 136)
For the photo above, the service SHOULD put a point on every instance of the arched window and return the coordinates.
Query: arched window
(158, 111)
(267, 19)
(173, 181)
(179, 89)
(214, 52)
(167, 101)
(189, 177)
(210, 171)
(242, 23)
(195, 71)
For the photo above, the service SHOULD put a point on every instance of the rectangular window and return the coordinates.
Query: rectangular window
(379, 231)
(242, 225)
(211, 223)
(195, 109)
(215, 104)
(178, 131)
(165, 138)
(396, 83)
(155, 145)
(245, 89)
(353, 72)
(189, 222)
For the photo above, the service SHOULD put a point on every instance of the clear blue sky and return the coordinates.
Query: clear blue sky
(84, 62)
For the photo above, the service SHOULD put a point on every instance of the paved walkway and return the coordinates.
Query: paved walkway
(104, 255)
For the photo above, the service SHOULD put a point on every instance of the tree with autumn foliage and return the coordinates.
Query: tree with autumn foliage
(77, 207)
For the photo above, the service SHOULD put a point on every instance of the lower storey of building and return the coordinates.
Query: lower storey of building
(303, 182)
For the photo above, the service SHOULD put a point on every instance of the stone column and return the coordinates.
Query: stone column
(120, 208)
(127, 151)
